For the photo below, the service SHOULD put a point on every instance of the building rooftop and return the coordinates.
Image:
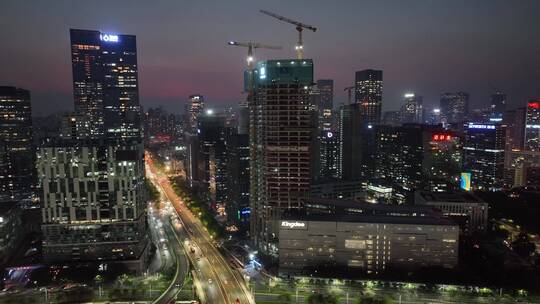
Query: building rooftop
(321, 209)
(382, 219)
(379, 208)
(422, 197)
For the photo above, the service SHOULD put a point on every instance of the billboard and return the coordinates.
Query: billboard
(465, 181)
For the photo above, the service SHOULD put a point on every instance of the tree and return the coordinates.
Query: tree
(321, 298)
(284, 298)
(374, 300)
(523, 246)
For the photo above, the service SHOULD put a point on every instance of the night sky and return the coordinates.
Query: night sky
(428, 46)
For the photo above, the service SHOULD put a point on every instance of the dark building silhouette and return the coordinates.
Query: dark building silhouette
(454, 107)
(17, 177)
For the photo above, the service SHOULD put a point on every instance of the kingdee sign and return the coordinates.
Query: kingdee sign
(296, 225)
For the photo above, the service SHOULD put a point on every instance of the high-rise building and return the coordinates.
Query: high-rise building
(515, 132)
(281, 143)
(415, 156)
(213, 138)
(329, 155)
(323, 100)
(195, 109)
(454, 107)
(93, 201)
(105, 83)
(238, 208)
(484, 151)
(412, 110)
(93, 198)
(18, 179)
(498, 105)
(368, 94)
(532, 126)
(354, 138)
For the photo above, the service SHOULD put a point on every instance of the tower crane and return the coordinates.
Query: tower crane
(349, 89)
(299, 27)
(251, 46)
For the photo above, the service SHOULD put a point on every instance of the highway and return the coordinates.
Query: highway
(162, 229)
(218, 282)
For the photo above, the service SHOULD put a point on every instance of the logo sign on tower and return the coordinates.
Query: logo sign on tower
(108, 37)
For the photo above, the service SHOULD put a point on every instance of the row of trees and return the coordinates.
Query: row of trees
(198, 207)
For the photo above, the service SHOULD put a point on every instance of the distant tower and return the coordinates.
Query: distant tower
(195, 109)
(324, 102)
(454, 107)
(412, 110)
(16, 141)
(368, 93)
(498, 105)
(532, 126)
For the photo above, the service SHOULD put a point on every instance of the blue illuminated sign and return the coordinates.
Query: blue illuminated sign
(479, 126)
(262, 73)
(108, 37)
(245, 211)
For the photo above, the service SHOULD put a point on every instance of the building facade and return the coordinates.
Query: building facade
(105, 83)
(415, 156)
(93, 201)
(469, 211)
(368, 94)
(17, 178)
(282, 132)
(365, 238)
(484, 155)
(329, 147)
(532, 126)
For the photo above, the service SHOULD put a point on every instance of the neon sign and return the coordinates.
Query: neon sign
(108, 37)
(534, 104)
(479, 126)
(441, 137)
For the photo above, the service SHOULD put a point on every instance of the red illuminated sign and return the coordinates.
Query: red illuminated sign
(534, 104)
(441, 137)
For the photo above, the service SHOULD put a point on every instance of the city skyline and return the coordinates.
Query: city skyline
(482, 55)
(383, 152)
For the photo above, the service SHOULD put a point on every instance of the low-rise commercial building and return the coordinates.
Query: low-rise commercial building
(370, 238)
(464, 208)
